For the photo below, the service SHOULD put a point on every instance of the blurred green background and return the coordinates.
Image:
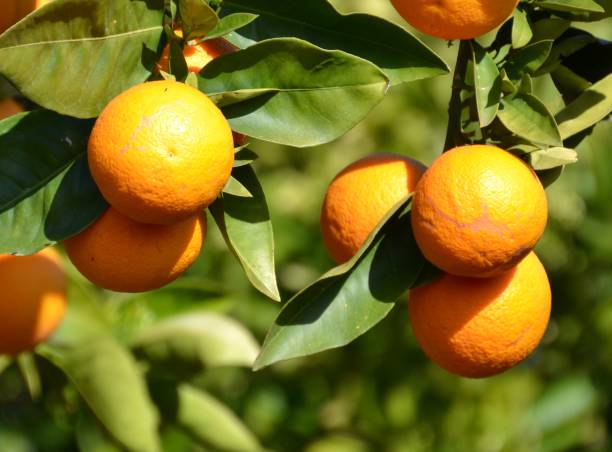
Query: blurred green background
(380, 393)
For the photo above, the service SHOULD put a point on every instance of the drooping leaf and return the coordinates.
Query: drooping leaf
(350, 299)
(107, 377)
(487, 85)
(85, 53)
(203, 418)
(528, 59)
(590, 107)
(521, 30)
(197, 18)
(545, 159)
(316, 97)
(187, 343)
(401, 55)
(46, 191)
(246, 227)
(230, 23)
(526, 116)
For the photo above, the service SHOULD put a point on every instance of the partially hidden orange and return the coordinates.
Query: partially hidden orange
(478, 210)
(33, 300)
(478, 327)
(160, 152)
(123, 255)
(360, 196)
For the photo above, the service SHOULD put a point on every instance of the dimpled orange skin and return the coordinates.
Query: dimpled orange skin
(120, 254)
(360, 196)
(477, 327)
(33, 300)
(160, 152)
(477, 211)
(455, 19)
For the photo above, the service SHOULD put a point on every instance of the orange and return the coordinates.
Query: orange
(120, 254)
(12, 11)
(198, 55)
(33, 300)
(477, 211)
(360, 196)
(161, 152)
(455, 19)
(9, 107)
(480, 327)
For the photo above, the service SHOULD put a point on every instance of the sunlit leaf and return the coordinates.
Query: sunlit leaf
(526, 116)
(487, 85)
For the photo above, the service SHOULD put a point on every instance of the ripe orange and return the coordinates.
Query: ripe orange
(455, 19)
(198, 55)
(161, 152)
(9, 107)
(478, 327)
(33, 300)
(477, 211)
(123, 255)
(360, 196)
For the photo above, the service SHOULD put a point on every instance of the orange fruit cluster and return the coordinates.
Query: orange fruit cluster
(160, 153)
(455, 19)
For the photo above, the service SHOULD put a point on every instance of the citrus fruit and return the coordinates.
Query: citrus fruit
(160, 152)
(455, 19)
(198, 55)
(123, 255)
(477, 211)
(9, 107)
(360, 196)
(33, 300)
(478, 327)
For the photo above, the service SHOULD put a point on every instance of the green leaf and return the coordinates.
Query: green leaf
(230, 23)
(74, 57)
(90, 436)
(572, 6)
(350, 299)
(5, 362)
(521, 30)
(46, 191)
(545, 159)
(244, 156)
(549, 28)
(398, 53)
(187, 343)
(204, 419)
(246, 227)
(528, 59)
(590, 107)
(107, 377)
(317, 96)
(526, 116)
(197, 18)
(29, 371)
(487, 85)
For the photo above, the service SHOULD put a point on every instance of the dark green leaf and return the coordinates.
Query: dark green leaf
(187, 343)
(230, 23)
(590, 107)
(527, 117)
(350, 299)
(197, 18)
(549, 28)
(521, 30)
(487, 85)
(317, 96)
(528, 59)
(578, 6)
(402, 56)
(74, 57)
(46, 191)
(244, 157)
(246, 227)
(545, 159)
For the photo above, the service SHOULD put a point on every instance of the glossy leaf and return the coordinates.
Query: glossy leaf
(197, 18)
(350, 299)
(317, 96)
(107, 377)
(187, 343)
(230, 23)
(487, 85)
(401, 55)
(578, 6)
(46, 191)
(545, 159)
(549, 28)
(246, 227)
(521, 30)
(590, 107)
(203, 418)
(526, 116)
(528, 59)
(85, 52)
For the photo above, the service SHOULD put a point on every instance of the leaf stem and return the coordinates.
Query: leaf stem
(454, 133)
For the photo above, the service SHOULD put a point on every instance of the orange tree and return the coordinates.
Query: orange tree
(302, 75)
